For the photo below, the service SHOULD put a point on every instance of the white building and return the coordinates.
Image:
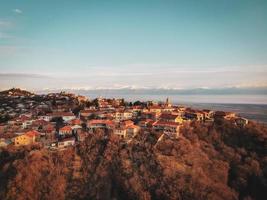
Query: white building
(66, 142)
(123, 115)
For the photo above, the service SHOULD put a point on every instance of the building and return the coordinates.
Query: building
(155, 109)
(86, 113)
(4, 142)
(81, 136)
(230, 115)
(126, 123)
(241, 121)
(26, 124)
(66, 142)
(208, 114)
(146, 124)
(194, 115)
(75, 122)
(99, 123)
(169, 128)
(127, 132)
(82, 99)
(171, 118)
(26, 138)
(49, 128)
(39, 123)
(66, 116)
(121, 132)
(150, 115)
(66, 130)
(168, 103)
(122, 115)
(224, 115)
(47, 117)
(76, 128)
(25, 120)
(132, 130)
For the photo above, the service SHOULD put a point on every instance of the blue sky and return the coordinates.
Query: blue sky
(113, 44)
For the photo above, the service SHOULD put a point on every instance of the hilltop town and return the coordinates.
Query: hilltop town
(66, 146)
(58, 120)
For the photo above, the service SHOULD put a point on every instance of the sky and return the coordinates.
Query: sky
(135, 44)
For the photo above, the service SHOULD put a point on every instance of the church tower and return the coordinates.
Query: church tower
(168, 103)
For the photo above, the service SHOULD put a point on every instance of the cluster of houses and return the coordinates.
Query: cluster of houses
(55, 122)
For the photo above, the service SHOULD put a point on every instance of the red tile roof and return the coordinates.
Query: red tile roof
(40, 122)
(163, 123)
(76, 122)
(168, 116)
(32, 133)
(24, 118)
(127, 122)
(132, 126)
(66, 128)
(60, 114)
(155, 107)
(87, 111)
(101, 121)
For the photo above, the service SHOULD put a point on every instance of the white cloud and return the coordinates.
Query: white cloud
(24, 75)
(17, 11)
(5, 24)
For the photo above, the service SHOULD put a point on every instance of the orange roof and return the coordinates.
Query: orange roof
(24, 118)
(40, 122)
(127, 122)
(32, 133)
(49, 128)
(132, 126)
(168, 116)
(100, 121)
(87, 111)
(66, 128)
(76, 122)
(163, 123)
(66, 114)
(96, 121)
(155, 107)
(60, 114)
(148, 120)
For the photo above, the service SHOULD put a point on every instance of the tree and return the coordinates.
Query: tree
(137, 103)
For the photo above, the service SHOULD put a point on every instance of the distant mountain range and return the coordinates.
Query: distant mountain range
(161, 91)
(145, 91)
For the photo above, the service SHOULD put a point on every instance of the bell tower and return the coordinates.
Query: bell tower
(168, 103)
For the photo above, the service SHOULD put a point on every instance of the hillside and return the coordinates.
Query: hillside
(219, 161)
(15, 92)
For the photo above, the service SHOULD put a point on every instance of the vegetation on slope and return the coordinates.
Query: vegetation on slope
(16, 92)
(216, 161)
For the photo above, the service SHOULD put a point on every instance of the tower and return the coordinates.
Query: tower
(168, 103)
